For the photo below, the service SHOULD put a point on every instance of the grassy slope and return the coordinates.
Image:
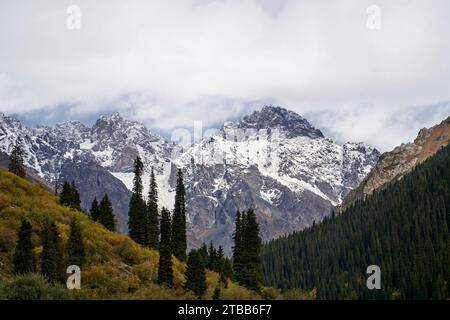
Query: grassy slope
(116, 268)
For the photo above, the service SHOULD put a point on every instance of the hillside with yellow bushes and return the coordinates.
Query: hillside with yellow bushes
(116, 266)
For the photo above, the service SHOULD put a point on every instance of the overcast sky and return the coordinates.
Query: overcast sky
(168, 63)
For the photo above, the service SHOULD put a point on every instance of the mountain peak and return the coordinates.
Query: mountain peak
(113, 117)
(275, 117)
(10, 120)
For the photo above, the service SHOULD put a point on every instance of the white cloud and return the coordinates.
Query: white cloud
(171, 62)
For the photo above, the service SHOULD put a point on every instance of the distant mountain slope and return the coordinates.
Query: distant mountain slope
(116, 267)
(403, 228)
(398, 162)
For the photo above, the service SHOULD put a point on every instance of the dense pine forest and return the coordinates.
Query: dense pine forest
(404, 229)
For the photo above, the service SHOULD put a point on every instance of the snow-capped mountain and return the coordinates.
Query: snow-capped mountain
(276, 162)
(273, 160)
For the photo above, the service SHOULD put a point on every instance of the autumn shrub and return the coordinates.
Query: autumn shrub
(33, 287)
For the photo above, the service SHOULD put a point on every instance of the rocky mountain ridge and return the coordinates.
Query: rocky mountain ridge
(273, 160)
(401, 160)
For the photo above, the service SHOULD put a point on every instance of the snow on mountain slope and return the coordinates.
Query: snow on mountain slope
(289, 172)
(273, 160)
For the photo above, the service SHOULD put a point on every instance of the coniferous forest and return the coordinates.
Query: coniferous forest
(403, 229)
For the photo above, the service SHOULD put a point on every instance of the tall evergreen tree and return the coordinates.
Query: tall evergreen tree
(195, 275)
(204, 255)
(153, 217)
(76, 201)
(65, 197)
(95, 210)
(24, 260)
(137, 215)
(247, 251)
(165, 271)
(252, 276)
(16, 164)
(70, 196)
(213, 261)
(51, 259)
(179, 244)
(227, 271)
(220, 257)
(76, 251)
(106, 216)
(238, 249)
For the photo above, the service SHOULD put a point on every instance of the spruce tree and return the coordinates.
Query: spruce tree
(247, 251)
(204, 255)
(227, 270)
(212, 263)
(238, 248)
(75, 197)
(16, 164)
(153, 218)
(76, 251)
(165, 271)
(24, 260)
(252, 277)
(179, 244)
(137, 214)
(65, 197)
(195, 275)
(106, 217)
(51, 258)
(70, 196)
(95, 210)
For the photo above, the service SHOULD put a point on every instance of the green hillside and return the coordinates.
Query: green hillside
(404, 229)
(116, 267)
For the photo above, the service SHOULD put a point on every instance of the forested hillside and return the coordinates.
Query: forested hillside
(404, 229)
(115, 267)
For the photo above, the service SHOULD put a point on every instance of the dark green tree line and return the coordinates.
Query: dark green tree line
(403, 228)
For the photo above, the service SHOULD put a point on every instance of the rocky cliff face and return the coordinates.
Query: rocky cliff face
(273, 160)
(398, 162)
